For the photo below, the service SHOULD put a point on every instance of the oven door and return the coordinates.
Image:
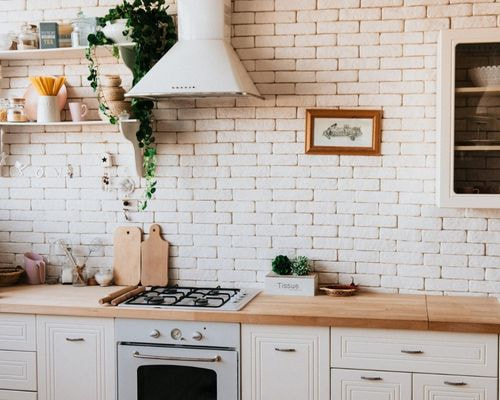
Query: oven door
(174, 373)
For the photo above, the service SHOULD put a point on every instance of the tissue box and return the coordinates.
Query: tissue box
(291, 285)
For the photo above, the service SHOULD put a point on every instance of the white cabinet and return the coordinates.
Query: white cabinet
(16, 395)
(17, 332)
(350, 384)
(76, 358)
(445, 387)
(285, 362)
(468, 125)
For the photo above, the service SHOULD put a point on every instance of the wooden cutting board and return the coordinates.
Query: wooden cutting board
(127, 255)
(154, 252)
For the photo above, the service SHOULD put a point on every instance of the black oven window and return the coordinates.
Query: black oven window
(174, 382)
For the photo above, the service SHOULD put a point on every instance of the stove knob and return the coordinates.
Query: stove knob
(155, 333)
(197, 335)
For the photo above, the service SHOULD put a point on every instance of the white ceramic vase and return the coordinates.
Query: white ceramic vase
(114, 31)
(48, 109)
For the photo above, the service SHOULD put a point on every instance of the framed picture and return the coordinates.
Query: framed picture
(344, 132)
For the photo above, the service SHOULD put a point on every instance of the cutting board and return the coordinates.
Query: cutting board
(154, 253)
(127, 255)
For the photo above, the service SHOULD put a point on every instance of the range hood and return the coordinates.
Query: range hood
(202, 63)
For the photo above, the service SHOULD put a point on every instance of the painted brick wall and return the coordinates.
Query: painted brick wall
(235, 186)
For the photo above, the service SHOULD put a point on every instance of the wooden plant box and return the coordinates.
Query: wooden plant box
(291, 285)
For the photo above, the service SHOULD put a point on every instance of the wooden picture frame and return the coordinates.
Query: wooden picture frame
(326, 133)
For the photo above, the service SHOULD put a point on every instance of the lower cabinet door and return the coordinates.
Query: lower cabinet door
(18, 370)
(76, 358)
(285, 362)
(452, 387)
(349, 384)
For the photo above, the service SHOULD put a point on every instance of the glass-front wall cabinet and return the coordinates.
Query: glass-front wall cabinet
(469, 119)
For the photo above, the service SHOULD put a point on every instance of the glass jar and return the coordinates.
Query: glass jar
(27, 38)
(79, 276)
(4, 106)
(16, 111)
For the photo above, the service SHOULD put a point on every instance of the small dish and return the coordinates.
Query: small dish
(340, 290)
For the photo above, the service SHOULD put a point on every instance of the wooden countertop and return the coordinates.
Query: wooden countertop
(367, 310)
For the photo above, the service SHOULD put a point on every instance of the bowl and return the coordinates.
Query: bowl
(10, 276)
(111, 80)
(485, 76)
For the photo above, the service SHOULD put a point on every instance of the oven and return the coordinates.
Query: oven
(170, 360)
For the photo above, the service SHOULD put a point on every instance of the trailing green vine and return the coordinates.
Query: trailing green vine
(153, 32)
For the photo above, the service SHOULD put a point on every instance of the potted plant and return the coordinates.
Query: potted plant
(148, 26)
(291, 277)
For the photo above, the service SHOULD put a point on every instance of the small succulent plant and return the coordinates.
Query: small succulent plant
(300, 265)
(282, 265)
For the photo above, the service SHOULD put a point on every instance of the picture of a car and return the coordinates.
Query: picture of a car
(346, 130)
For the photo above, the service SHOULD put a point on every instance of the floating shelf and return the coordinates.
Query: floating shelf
(48, 54)
(471, 91)
(63, 123)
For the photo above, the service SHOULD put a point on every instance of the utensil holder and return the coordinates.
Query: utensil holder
(48, 110)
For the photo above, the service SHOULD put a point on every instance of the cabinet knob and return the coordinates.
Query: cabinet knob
(155, 333)
(78, 339)
(284, 350)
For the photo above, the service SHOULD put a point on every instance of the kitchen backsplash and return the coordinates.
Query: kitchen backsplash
(235, 187)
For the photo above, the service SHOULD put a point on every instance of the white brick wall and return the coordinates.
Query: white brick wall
(235, 188)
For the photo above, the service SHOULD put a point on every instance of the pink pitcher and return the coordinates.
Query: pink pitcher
(35, 268)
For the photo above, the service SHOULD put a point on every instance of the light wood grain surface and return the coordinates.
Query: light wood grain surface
(367, 310)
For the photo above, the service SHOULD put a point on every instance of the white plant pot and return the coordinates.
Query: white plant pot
(48, 109)
(291, 285)
(114, 31)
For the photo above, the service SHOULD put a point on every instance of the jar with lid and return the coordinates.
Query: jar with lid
(27, 38)
(4, 106)
(16, 111)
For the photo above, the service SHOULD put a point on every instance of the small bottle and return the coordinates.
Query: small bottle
(75, 36)
(4, 106)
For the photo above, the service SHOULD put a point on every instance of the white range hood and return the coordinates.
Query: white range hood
(202, 63)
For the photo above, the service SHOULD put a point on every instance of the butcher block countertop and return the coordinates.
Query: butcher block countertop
(366, 310)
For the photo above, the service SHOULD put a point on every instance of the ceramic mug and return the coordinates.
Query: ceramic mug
(78, 111)
(35, 268)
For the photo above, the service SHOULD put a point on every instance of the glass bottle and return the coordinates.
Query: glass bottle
(4, 106)
(27, 38)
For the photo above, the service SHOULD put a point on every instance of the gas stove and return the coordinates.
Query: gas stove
(182, 297)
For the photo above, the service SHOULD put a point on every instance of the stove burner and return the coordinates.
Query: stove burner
(202, 301)
(187, 297)
(155, 300)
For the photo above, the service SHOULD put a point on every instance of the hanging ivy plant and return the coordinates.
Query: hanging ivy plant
(153, 32)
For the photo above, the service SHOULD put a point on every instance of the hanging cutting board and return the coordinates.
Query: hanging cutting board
(154, 253)
(127, 255)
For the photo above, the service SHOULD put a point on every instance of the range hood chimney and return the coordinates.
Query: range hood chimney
(202, 63)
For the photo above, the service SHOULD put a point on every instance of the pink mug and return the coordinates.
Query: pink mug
(78, 111)
(35, 268)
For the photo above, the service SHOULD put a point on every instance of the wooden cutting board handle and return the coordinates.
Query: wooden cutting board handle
(127, 256)
(154, 253)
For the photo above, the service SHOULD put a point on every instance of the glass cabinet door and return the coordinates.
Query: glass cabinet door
(477, 119)
(469, 125)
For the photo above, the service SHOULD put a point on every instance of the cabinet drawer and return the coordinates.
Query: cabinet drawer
(351, 384)
(15, 395)
(438, 387)
(18, 370)
(395, 350)
(17, 332)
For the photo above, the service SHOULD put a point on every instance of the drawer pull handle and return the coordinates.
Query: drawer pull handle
(284, 350)
(78, 339)
(412, 351)
(371, 378)
(455, 383)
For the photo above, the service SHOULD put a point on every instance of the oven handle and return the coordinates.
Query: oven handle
(136, 354)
